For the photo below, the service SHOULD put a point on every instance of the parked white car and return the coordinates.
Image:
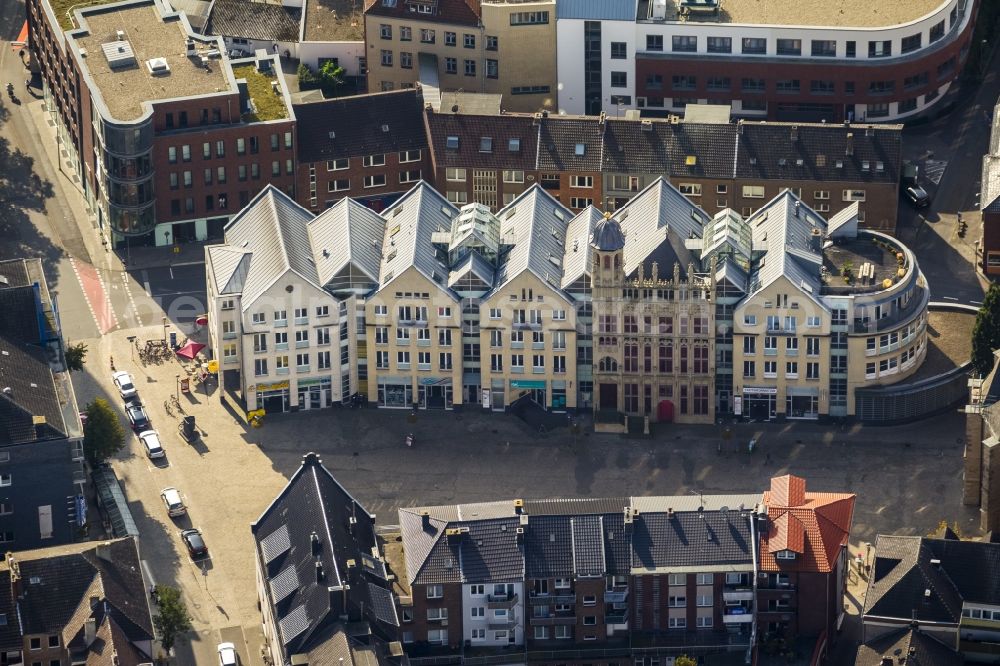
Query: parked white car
(227, 655)
(172, 500)
(151, 441)
(125, 385)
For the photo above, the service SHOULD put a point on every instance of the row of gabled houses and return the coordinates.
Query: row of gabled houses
(658, 311)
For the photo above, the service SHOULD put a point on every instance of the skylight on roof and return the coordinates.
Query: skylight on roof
(451, 143)
(486, 144)
(580, 150)
(514, 145)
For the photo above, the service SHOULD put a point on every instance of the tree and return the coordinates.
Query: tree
(307, 80)
(103, 434)
(331, 76)
(173, 619)
(685, 660)
(986, 332)
(76, 355)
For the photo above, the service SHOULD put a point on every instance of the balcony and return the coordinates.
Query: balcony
(229, 335)
(279, 346)
(282, 371)
(737, 615)
(280, 323)
(423, 343)
(500, 624)
(301, 321)
(501, 601)
(553, 620)
(553, 598)
(538, 345)
(300, 344)
(423, 366)
(616, 617)
(301, 368)
(616, 596)
(737, 595)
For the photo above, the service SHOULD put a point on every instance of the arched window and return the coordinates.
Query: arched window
(607, 262)
(618, 261)
(608, 364)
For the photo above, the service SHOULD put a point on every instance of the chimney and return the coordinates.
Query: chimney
(425, 519)
(797, 205)
(520, 535)
(16, 584)
(816, 240)
(89, 631)
(103, 551)
(795, 132)
(319, 572)
(518, 506)
(314, 544)
(849, 148)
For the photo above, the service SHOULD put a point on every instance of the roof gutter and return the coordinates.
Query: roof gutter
(753, 553)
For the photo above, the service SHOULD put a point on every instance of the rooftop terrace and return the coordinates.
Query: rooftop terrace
(267, 104)
(124, 88)
(334, 21)
(853, 256)
(832, 13)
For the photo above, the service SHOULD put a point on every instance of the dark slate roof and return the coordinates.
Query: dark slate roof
(607, 236)
(819, 147)
(20, 308)
(471, 129)
(362, 125)
(30, 411)
(588, 546)
(617, 549)
(313, 502)
(15, 271)
(558, 139)
(66, 577)
(639, 147)
(490, 551)
(445, 11)
(926, 650)
(973, 566)
(548, 547)
(575, 507)
(690, 539)
(902, 575)
(263, 21)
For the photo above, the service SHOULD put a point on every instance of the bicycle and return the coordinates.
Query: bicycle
(166, 408)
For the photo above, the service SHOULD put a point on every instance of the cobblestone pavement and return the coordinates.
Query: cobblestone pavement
(907, 478)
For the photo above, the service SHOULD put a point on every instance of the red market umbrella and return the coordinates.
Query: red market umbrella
(190, 350)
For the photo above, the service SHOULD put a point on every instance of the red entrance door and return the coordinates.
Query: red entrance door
(665, 411)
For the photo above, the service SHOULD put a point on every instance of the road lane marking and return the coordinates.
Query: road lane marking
(976, 302)
(96, 295)
(131, 300)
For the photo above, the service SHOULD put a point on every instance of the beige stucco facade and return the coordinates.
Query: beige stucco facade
(414, 339)
(528, 340)
(512, 52)
(525, 54)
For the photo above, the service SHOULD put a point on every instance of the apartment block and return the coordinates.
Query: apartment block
(371, 148)
(174, 164)
(717, 164)
(837, 309)
(605, 580)
(785, 61)
(286, 302)
(465, 45)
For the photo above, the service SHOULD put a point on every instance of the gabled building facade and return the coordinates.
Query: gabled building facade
(941, 586)
(323, 586)
(83, 603)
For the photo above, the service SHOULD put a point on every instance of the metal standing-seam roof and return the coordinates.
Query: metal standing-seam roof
(229, 267)
(535, 225)
(576, 260)
(410, 224)
(272, 227)
(597, 10)
(347, 233)
(656, 222)
(783, 227)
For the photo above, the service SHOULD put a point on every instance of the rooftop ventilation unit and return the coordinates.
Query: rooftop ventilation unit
(158, 66)
(119, 54)
(120, 35)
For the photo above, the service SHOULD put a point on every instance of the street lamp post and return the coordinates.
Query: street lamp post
(131, 344)
(177, 386)
(164, 329)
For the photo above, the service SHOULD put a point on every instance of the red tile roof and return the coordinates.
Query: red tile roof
(815, 526)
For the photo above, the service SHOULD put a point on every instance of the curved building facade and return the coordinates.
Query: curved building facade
(864, 61)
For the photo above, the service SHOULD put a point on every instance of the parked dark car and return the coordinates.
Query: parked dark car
(918, 196)
(137, 417)
(195, 544)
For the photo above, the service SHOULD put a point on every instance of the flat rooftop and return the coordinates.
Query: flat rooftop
(853, 255)
(830, 13)
(123, 89)
(334, 21)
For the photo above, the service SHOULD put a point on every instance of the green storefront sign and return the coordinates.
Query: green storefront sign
(527, 384)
